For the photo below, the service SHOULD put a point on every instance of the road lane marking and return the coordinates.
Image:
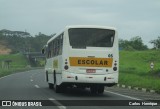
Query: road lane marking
(36, 86)
(123, 95)
(11, 74)
(59, 105)
(31, 77)
(5, 76)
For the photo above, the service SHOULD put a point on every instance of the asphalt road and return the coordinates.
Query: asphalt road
(31, 85)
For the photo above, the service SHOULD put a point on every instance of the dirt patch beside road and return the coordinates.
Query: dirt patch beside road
(4, 49)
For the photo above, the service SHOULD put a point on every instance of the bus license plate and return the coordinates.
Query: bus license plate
(90, 70)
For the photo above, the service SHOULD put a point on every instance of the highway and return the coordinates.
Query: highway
(31, 85)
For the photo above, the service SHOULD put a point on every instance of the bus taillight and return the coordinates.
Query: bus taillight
(66, 66)
(115, 66)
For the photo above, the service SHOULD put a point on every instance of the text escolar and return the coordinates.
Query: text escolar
(93, 62)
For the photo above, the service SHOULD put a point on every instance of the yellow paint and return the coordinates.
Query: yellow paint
(55, 64)
(90, 62)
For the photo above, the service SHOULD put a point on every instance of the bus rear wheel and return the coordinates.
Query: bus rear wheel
(97, 89)
(50, 85)
(56, 88)
(100, 89)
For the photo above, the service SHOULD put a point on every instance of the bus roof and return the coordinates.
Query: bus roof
(90, 26)
(80, 26)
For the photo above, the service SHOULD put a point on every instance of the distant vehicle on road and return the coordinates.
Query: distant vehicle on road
(82, 56)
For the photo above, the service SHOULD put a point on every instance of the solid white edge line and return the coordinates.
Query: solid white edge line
(57, 103)
(11, 74)
(36, 86)
(123, 95)
(6, 76)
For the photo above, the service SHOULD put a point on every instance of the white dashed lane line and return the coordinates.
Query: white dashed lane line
(36, 86)
(58, 104)
(32, 76)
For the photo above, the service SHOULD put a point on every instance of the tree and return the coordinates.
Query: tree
(125, 44)
(19, 41)
(134, 43)
(137, 43)
(156, 43)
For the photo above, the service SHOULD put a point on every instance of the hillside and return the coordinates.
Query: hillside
(135, 69)
(3, 48)
(6, 32)
(19, 41)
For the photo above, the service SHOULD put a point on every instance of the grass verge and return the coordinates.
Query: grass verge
(18, 63)
(135, 69)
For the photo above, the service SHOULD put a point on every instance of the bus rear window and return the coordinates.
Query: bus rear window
(91, 37)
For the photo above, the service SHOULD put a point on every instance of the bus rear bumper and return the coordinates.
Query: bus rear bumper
(106, 79)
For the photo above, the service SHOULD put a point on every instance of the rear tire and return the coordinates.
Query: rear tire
(57, 88)
(50, 85)
(100, 89)
(46, 76)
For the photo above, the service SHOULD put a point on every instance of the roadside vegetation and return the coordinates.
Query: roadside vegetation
(135, 69)
(18, 63)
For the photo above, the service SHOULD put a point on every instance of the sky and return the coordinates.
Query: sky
(130, 17)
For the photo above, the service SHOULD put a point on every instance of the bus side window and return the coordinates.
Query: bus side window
(61, 44)
(49, 50)
(49, 54)
(53, 49)
(58, 46)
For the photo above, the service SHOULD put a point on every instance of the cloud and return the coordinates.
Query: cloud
(138, 17)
